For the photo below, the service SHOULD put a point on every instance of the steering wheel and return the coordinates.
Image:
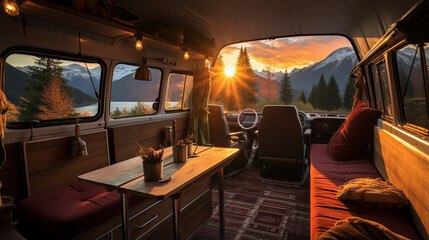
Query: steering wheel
(247, 125)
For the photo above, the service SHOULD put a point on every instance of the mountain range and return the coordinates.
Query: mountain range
(339, 64)
(83, 92)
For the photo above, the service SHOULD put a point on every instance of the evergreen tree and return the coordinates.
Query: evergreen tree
(349, 93)
(302, 97)
(246, 84)
(217, 93)
(312, 96)
(286, 93)
(57, 103)
(333, 98)
(40, 74)
(320, 94)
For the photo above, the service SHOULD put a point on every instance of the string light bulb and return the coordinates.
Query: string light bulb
(186, 55)
(207, 62)
(139, 42)
(11, 7)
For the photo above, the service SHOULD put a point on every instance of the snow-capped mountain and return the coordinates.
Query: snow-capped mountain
(78, 77)
(74, 70)
(264, 74)
(122, 70)
(25, 69)
(339, 64)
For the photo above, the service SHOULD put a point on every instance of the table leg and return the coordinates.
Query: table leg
(176, 215)
(221, 205)
(125, 231)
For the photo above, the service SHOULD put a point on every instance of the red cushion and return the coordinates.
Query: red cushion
(352, 138)
(326, 175)
(69, 211)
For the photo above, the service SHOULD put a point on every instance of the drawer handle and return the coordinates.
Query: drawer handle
(145, 224)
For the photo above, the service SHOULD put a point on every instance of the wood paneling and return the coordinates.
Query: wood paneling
(405, 167)
(12, 173)
(49, 164)
(123, 139)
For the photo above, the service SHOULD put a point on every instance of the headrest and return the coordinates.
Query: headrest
(216, 109)
(279, 110)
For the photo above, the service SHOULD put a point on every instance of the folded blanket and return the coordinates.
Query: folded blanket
(359, 228)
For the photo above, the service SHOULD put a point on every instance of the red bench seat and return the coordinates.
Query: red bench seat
(67, 212)
(326, 175)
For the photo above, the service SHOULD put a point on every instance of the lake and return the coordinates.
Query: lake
(93, 108)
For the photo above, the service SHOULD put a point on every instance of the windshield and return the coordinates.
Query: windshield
(310, 72)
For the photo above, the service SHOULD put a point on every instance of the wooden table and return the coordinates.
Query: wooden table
(127, 177)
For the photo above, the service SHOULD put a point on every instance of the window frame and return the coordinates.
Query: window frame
(183, 91)
(38, 52)
(375, 64)
(159, 92)
(406, 125)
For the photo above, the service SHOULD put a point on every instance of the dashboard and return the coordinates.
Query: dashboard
(322, 122)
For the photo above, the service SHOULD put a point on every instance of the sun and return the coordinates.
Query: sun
(230, 71)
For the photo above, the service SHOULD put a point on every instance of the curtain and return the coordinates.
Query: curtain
(361, 94)
(199, 122)
(4, 106)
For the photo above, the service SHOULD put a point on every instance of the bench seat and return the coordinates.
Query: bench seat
(69, 211)
(326, 175)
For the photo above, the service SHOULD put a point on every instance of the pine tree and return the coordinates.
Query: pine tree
(57, 103)
(333, 98)
(320, 94)
(286, 93)
(40, 74)
(245, 78)
(302, 97)
(349, 93)
(217, 94)
(312, 96)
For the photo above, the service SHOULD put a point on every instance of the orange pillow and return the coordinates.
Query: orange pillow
(352, 138)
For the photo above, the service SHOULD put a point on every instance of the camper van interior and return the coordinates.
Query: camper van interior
(277, 119)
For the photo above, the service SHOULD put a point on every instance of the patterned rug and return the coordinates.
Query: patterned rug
(258, 209)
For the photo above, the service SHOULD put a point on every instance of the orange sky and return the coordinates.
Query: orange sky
(285, 53)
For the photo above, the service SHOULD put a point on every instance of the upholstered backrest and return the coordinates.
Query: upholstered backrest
(280, 132)
(218, 126)
(49, 163)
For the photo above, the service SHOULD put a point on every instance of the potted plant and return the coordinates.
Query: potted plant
(189, 140)
(152, 163)
(180, 151)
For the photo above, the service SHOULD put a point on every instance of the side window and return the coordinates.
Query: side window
(412, 86)
(179, 92)
(378, 97)
(132, 97)
(382, 88)
(49, 88)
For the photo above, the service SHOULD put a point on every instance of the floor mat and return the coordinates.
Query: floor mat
(258, 209)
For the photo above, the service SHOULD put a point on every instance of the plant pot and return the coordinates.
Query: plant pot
(152, 171)
(189, 149)
(180, 154)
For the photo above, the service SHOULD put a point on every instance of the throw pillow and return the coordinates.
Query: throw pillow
(372, 192)
(359, 228)
(352, 138)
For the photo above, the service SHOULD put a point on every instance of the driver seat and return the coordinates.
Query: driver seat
(221, 137)
(281, 144)
(219, 129)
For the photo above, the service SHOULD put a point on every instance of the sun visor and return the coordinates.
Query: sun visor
(414, 24)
